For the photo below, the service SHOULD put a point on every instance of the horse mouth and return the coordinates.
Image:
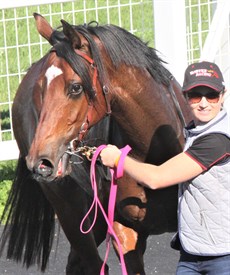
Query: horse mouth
(45, 170)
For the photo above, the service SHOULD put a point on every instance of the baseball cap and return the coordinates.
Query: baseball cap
(203, 74)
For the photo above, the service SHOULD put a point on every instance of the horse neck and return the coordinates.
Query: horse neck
(140, 107)
(185, 108)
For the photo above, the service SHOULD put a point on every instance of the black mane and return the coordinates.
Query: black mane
(121, 46)
(124, 47)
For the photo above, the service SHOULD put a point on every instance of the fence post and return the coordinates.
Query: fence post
(170, 35)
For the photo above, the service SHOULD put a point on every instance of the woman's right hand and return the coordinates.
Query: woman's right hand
(110, 155)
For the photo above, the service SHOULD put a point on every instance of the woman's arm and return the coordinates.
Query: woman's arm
(176, 170)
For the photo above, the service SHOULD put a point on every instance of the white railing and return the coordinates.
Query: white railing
(9, 4)
(170, 35)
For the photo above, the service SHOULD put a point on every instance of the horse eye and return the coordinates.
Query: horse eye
(75, 89)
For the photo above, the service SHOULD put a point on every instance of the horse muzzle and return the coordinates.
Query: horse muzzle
(45, 170)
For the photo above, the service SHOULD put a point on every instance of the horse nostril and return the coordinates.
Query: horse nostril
(44, 168)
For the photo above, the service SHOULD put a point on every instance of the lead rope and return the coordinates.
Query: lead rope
(115, 174)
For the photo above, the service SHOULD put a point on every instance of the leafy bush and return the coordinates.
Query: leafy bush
(4, 191)
(7, 171)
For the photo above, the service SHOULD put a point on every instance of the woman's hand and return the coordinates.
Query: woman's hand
(110, 156)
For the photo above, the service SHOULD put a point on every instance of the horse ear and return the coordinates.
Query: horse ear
(43, 26)
(71, 34)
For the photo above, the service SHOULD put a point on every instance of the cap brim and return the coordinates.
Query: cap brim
(191, 86)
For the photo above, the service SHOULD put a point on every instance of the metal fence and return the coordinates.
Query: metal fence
(199, 32)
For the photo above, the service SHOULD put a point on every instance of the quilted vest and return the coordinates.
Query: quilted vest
(204, 202)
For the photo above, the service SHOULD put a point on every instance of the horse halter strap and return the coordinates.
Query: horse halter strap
(95, 75)
(85, 124)
(91, 62)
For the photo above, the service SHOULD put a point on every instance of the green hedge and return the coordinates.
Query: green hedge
(7, 170)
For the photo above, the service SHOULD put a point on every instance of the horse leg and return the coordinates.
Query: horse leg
(74, 264)
(130, 212)
(133, 247)
(70, 203)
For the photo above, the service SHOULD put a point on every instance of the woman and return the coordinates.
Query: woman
(202, 172)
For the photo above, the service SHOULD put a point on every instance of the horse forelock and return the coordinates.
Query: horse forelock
(64, 50)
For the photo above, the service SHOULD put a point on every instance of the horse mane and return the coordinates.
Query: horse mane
(124, 47)
(121, 46)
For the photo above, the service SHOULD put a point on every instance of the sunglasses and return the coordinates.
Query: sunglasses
(211, 97)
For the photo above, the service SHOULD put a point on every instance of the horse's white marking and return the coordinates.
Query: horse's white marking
(52, 72)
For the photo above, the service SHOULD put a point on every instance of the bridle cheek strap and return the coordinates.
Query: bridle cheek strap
(95, 76)
(91, 62)
(86, 124)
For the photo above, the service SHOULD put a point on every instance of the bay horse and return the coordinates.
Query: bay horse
(97, 84)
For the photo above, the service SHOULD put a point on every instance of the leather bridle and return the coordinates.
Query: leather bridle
(86, 124)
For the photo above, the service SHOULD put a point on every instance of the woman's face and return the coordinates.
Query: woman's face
(205, 102)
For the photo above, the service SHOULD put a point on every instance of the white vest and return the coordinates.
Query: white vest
(204, 202)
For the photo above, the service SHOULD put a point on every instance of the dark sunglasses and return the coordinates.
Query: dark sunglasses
(211, 97)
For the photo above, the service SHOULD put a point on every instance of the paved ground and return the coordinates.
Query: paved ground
(159, 259)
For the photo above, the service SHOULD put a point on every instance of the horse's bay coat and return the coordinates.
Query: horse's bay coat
(66, 96)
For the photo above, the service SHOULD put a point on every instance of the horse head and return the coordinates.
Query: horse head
(71, 99)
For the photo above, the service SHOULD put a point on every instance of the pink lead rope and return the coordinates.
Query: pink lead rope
(116, 173)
